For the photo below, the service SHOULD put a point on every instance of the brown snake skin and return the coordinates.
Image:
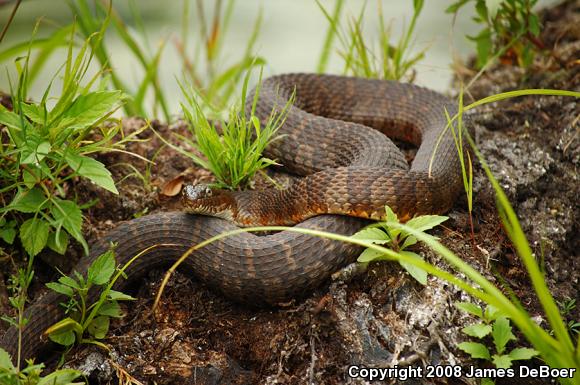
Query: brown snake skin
(363, 171)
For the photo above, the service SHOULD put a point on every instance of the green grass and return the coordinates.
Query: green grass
(382, 59)
(235, 155)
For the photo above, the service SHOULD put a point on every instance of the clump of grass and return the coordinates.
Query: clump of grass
(235, 155)
(382, 59)
(510, 27)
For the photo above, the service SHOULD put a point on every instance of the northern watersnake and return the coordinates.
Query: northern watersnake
(335, 131)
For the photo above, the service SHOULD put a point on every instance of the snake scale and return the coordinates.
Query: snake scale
(336, 136)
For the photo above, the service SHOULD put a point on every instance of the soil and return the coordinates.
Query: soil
(381, 317)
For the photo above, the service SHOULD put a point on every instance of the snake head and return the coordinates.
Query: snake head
(207, 200)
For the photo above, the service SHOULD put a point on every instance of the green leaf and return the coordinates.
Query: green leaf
(34, 234)
(478, 330)
(58, 243)
(36, 152)
(28, 201)
(416, 272)
(93, 170)
(68, 214)
(35, 112)
(409, 241)
(502, 361)
(491, 313)
(8, 230)
(493, 7)
(373, 235)
(111, 309)
(65, 337)
(115, 295)
(5, 361)
(61, 377)
(68, 281)
(475, 350)
(101, 271)
(30, 176)
(369, 255)
(502, 334)
(523, 354)
(88, 109)
(99, 327)
(60, 288)
(534, 24)
(390, 215)
(426, 222)
(61, 329)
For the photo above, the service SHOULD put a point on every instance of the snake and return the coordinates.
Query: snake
(337, 138)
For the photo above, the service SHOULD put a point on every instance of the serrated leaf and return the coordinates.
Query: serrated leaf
(111, 309)
(8, 234)
(523, 354)
(491, 313)
(66, 280)
(37, 153)
(502, 333)
(426, 222)
(416, 272)
(88, 109)
(478, 330)
(60, 288)
(502, 361)
(475, 350)
(101, 271)
(373, 235)
(10, 119)
(28, 201)
(390, 215)
(34, 234)
(5, 361)
(34, 112)
(68, 214)
(92, 169)
(99, 327)
(369, 255)
(58, 241)
(115, 295)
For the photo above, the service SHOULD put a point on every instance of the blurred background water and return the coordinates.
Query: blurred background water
(290, 39)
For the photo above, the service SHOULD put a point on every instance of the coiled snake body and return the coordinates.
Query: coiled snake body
(355, 169)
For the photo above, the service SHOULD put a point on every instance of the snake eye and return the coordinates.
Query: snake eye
(196, 192)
